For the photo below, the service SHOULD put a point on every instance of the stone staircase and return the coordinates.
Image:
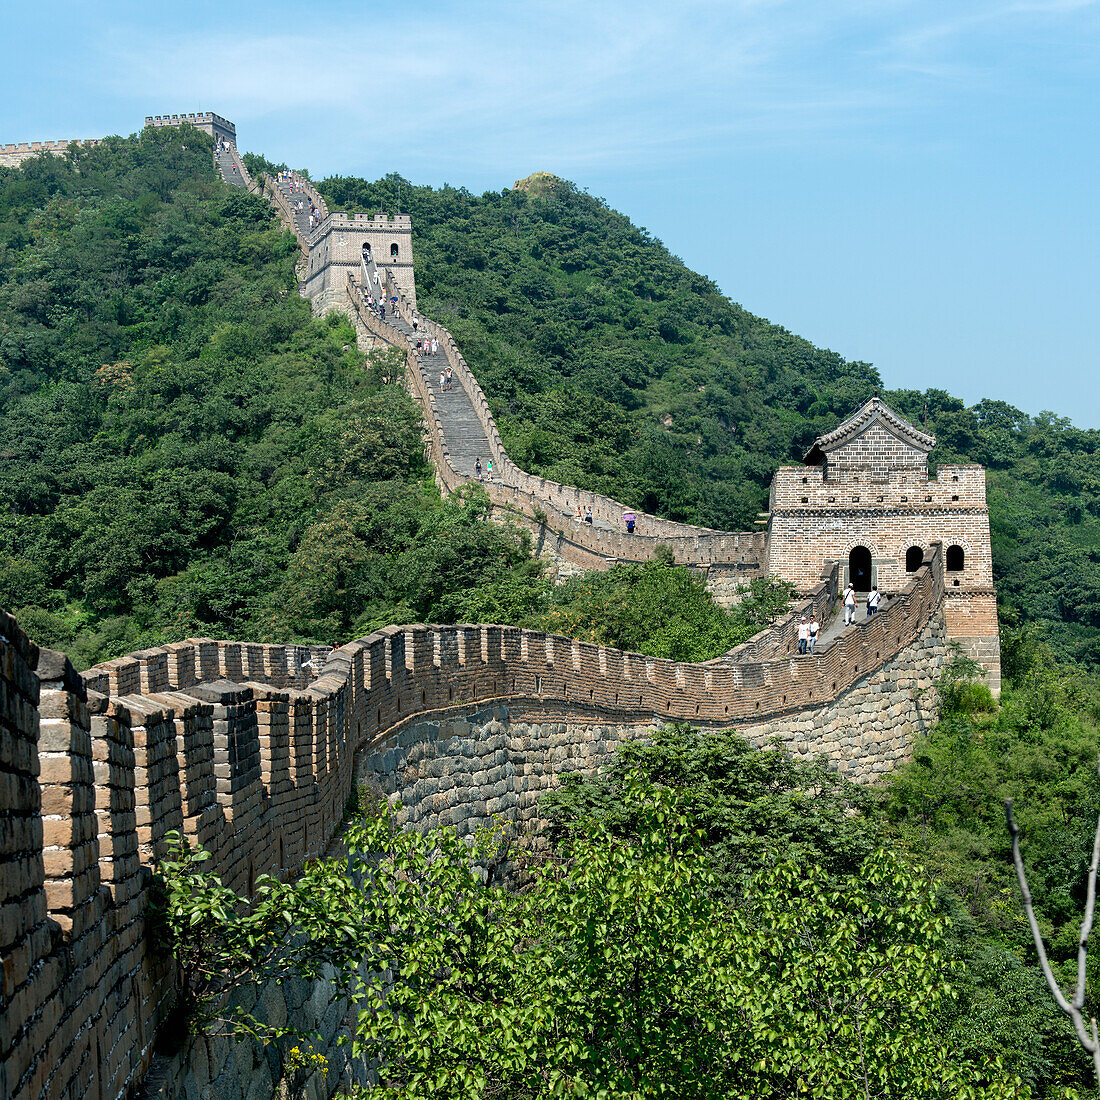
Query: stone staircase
(230, 167)
(462, 428)
(460, 417)
(293, 197)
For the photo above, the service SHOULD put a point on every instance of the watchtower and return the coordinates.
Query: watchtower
(865, 498)
(336, 247)
(220, 129)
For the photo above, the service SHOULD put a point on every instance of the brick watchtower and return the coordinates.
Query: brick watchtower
(864, 498)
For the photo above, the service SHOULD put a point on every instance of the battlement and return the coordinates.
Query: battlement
(13, 154)
(850, 489)
(207, 121)
(246, 753)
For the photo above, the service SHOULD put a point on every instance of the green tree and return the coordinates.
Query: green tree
(620, 973)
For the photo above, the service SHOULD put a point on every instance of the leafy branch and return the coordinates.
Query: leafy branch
(222, 944)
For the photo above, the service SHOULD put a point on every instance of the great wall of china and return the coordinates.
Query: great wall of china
(253, 750)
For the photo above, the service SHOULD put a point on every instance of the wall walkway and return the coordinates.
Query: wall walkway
(251, 751)
(455, 439)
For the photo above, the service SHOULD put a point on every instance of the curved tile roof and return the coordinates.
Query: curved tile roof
(874, 410)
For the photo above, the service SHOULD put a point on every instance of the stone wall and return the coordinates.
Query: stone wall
(336, 251)
(464, 772)
(12, 155)
(527, 495)
(870, 729)
(248, 749)
(971, 618)
(814, 520)
(90, 785)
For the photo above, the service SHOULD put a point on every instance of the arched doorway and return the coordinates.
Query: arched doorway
(859, 568)
(914, 559)
(955, 559)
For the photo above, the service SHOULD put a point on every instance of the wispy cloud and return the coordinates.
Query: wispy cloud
(582, 83)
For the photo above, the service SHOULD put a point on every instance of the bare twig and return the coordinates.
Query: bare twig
(1086, 1032)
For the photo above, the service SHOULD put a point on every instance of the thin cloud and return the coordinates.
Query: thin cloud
(578, 84)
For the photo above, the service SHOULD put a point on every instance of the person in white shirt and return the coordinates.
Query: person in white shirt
(803, 635)
(815, 629)
(872, 601)
(849, 604)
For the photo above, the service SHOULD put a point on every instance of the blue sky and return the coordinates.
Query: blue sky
(915, 184)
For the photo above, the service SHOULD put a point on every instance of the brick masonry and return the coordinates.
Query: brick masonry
(12, 155)
(464, 772)
(865, 485)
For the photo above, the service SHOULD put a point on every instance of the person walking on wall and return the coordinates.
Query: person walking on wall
(577, 514)
(477, 469)
(588, 513)
(441, 381)
(489, 470)
(872, 600)
(803, 635)
(849, 604)
(815, 629)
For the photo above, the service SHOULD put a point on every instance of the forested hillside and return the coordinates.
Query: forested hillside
(184, 450)
(612, 366)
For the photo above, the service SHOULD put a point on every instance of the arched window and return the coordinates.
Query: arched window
(955, 559)
(914, 559)
(393, 251)
(859, 568)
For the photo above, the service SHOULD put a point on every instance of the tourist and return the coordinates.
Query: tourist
(849, 604)
(435, 345)
(416, 323)
(578, 515)
(588, 513)
(477, 469)
(815, 629)
(442, 382)
(628, 518)
(450, 384)
(872, 601)
(489, 470)
(803, 635)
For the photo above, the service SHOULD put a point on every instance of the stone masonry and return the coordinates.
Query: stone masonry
(12, 155)
(865, 490)
(465, 772)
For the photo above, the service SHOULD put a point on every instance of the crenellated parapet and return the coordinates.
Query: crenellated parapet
(221, 129)
(513, 490)
(14, 153)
